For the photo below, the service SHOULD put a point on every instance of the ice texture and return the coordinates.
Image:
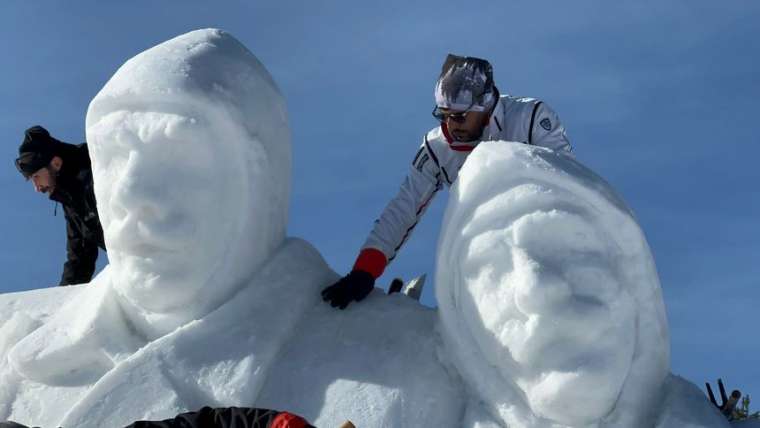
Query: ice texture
(550, 309)
(684, 406)
(548, 295)
(192, 136)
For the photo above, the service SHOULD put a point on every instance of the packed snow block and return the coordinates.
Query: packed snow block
(684, 407)
(21, 314)
(376, 364)
(219, 360)
(75, 346)
(548, 295)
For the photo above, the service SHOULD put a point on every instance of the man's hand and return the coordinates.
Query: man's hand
(354, 286)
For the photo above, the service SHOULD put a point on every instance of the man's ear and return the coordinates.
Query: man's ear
(486, 120)
(56, 163)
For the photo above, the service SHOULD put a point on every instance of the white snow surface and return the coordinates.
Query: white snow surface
(190, 144)
(548, 294)
(550, 311)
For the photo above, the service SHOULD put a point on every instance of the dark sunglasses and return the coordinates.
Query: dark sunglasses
(29, 163)
(458, 117)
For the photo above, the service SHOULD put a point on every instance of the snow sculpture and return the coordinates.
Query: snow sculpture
(548, 294)
(569, 270)
(549, 302)
(191, 162)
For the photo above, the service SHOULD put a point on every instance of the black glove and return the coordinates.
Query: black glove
(354, 286)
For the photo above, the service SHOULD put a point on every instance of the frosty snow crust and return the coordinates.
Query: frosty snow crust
(548, 294)
(192, 136)
(550, 307)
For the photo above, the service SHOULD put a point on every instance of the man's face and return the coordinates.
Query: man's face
(156, 184)
(465, 126)
(44, 180)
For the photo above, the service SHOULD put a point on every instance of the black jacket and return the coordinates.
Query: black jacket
(74, 190)
(207, 417)
(229, 417)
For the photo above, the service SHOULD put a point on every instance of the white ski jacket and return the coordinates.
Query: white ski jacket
(438, 161)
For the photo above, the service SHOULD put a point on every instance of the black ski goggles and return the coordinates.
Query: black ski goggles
(29, 163)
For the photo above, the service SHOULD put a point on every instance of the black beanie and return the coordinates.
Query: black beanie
(36, 151)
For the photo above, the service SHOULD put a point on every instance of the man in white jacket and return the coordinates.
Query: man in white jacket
(470, 110)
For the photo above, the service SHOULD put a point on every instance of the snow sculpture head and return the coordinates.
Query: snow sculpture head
(190, 150)
(548, 293)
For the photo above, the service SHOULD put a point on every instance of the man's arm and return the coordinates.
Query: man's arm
(391, 230)
(81, 255)
(399, 218)
(546, 130)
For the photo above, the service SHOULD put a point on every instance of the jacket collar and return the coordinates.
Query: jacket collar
(495, 124)
(67, 183)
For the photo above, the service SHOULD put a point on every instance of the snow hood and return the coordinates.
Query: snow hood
(548, 294)
(191, 160)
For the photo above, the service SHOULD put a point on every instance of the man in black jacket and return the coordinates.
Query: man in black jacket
(63, 172)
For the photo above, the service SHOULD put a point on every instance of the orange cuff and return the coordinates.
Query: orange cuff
(372, 261)
(288, 420)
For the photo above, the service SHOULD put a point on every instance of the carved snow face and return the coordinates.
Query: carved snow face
(538, 278)
(169, 192)
(190, 150)
(546, 303)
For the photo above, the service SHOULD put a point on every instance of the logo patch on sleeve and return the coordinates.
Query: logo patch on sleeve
(546, 124)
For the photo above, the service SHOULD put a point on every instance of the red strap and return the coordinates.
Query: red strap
(288, 420)
(372, 261)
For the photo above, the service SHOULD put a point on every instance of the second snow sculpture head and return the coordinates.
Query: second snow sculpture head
(548, 293)
(191, 159)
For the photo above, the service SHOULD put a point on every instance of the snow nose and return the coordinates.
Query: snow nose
(138, 191)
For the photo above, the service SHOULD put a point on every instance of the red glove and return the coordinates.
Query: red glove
(371, 261)
(288, 420)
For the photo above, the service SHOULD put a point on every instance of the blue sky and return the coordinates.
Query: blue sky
(660, 98)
